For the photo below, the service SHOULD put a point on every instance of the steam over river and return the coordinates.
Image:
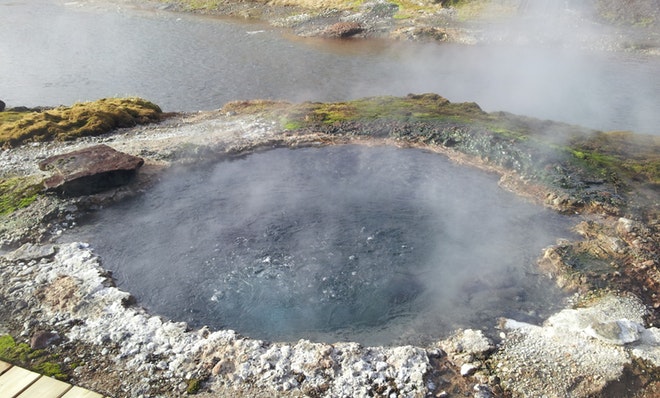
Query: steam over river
(52, 53)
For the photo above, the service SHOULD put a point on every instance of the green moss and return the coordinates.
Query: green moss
(194, 386)
(51, 369)
(10, 351)
(39, 361)
(619, 153)
(18, 192)
(78, 120)
(422, 107)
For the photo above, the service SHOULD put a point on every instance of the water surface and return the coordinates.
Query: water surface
(375, 245)
(58, 53)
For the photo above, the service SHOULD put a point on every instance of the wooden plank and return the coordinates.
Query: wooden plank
(77, 392)
(4, 366)
(46, 387)
(15, 380)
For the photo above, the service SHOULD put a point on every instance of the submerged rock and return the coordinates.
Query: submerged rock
(90, 170)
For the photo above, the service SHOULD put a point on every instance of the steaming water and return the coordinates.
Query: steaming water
(52, 54)
(377, 245)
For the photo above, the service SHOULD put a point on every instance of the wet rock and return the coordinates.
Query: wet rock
(41, 340)
(90, 170)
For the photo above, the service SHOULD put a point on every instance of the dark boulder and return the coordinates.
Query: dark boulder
(2, 106)
(90, 170)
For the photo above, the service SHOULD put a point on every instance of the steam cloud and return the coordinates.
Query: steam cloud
(378, 245)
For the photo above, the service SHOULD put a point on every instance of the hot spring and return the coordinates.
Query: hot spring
(378, 245)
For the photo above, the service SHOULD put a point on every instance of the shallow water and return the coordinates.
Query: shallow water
(376, 245)
(52, 53)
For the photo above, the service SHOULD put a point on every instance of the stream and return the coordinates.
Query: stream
(54, 53)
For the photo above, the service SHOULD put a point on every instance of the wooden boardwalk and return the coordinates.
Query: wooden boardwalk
(17, 382)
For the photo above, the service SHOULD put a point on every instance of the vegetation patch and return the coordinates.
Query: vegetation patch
(82, 119)
(410, 108)
(10, 116)
(620, 153)
(37, 360)
(18, 192)
(194, 386)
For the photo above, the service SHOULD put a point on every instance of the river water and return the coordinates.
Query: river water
(57, 53)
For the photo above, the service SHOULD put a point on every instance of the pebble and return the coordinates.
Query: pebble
(468, 369)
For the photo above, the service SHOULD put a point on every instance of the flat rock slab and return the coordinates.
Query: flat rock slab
(90, 170)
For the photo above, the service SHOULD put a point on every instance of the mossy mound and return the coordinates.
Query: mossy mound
(410, 108)
(588, 169)
(79, 120)
(18, 192)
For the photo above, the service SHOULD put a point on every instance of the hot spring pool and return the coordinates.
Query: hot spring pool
(378, 245)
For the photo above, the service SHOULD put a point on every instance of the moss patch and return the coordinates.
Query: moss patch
(79, 120)
(621, 153)
(194, 386)
(10, 116)
(39, 361)
(18, 192)
(411, 108)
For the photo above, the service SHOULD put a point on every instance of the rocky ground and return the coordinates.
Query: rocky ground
(61, 308)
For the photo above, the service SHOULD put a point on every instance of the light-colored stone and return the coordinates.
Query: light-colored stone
(468, 369)
(619, 332)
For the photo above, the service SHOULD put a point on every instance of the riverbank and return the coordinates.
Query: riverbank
(605, 342)
(603, 25)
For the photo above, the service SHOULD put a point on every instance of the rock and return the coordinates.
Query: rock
(619, 332)
(468, 369)
(90, 170)
(648, 347)
(2, 106)
(467, 345)
(342, 30)
(30, 251)
(41, 340)
(483, 391)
